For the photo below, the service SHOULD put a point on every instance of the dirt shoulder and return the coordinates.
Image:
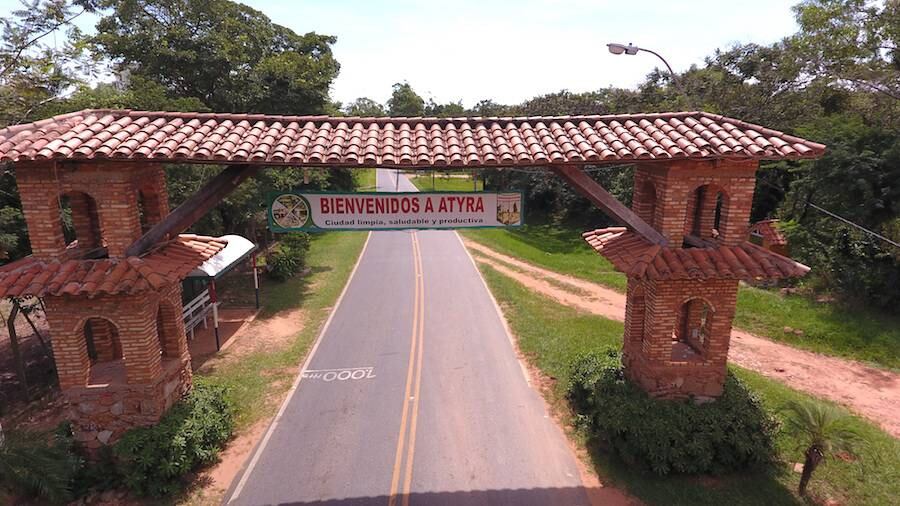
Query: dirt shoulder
(873, 393)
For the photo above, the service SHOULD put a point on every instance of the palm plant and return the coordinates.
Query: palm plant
(822, 430)
(33, 466)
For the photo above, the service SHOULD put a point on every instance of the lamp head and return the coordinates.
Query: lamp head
(616, 48)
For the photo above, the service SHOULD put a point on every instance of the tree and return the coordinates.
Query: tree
(32, 72)
(364, 107)
(226, 55)
(405, 102)
(822, 430)
(448, 110)
(854, 43)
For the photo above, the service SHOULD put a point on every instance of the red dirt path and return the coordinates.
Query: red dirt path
(868, 391)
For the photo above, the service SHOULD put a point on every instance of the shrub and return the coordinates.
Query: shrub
(152, 460)
(39, 465)
(299, 241)
(289, 256)
(667, 436)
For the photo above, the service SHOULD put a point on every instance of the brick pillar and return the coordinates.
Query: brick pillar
(156, 196)
(635, 309)
(121, 217)
(106, 340)
(170, 326)
(40, 206)
(140, 346)
(73, 365)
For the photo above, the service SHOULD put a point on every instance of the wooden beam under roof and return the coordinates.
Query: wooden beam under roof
(194, 207)
(597, 194)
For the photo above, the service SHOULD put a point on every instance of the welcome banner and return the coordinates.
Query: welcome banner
(292, 211)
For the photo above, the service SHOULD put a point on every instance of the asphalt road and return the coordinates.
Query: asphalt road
(413, 395)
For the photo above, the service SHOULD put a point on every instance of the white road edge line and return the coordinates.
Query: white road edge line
(303, 369)
(503, 321)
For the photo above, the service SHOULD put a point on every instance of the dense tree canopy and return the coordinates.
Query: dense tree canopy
(228, 56)
(836, 81)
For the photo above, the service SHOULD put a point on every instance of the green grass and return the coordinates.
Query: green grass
(257, 379)
(364, 179)
(552, 247)
(552, 335)
(445, 184)
(859, 334)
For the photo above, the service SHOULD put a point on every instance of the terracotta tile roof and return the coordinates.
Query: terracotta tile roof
(639, 259)
(768, 229)
(407, 142)
(168, 263)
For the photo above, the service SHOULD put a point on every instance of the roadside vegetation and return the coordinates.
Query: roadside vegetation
(228, 397)
(441, 181)
(365, 180)
(256, 381)
(829, 327)
(554, 338)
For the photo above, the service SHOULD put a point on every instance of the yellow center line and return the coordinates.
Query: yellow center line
(398, 458)
(415, 409)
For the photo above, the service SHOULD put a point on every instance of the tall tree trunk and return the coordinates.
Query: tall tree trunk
(14, 344)
(34, 328)
(813, 459)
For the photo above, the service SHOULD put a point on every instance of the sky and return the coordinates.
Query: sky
(510, 51)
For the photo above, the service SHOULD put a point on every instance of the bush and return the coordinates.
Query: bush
(39, 465)
(298, 241)
(289, 256)
(667, 436)
(152, 460)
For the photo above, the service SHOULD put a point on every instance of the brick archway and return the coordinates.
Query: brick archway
(81, 209)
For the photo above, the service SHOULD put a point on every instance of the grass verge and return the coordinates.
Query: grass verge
(440, 183)
(552, 335)
(364, 180)
(257, 380)
(859, 333)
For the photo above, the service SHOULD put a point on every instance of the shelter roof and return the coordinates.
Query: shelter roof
(639, 259)
(168, 263)
(769, 231)
(394, 142)
(237, 248)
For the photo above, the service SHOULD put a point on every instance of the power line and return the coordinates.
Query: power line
(848, 222)
(836, 216)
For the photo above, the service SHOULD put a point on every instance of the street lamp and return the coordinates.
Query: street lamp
(631, 49)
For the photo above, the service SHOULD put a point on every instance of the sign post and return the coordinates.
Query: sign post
(304, 211)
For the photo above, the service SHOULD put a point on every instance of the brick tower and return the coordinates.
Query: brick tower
(115, 321)
(681, 297)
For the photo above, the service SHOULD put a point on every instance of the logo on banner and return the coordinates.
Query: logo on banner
(290, 210)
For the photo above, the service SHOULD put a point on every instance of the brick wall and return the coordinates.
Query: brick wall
(649, 362)
(672, 205)
(112, 188)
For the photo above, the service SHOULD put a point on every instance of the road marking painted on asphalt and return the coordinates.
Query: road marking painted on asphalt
(407, 482)
(293, 390)
(344, 374)
(413, 386)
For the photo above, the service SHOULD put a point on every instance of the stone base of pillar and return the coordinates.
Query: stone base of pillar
(100, 414)
(677, 380)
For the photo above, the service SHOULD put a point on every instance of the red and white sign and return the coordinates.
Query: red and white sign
(385, 211)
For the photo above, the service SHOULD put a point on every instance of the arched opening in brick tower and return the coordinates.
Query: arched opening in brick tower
(104, 350)
(707, 212)
(166, 330)
(80, 221)
(690, 337)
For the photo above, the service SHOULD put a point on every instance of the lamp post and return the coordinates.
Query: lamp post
(631, 49)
